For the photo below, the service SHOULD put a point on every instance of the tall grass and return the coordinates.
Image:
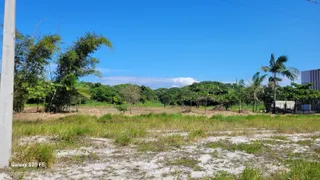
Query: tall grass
(113, 126)
(42, 155)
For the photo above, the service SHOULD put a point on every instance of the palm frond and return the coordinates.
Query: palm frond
(290, 73)
(262, 78)
(85, 92)
(255, 76)
(282, 59)
(272, 60)
(265, 69)
(272, 79)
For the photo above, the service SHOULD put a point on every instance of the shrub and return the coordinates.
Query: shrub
(122, 108)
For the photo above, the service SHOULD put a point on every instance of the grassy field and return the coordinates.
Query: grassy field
(172, 145)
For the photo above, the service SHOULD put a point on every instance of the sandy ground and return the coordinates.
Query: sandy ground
(116, 162)
(30, 113)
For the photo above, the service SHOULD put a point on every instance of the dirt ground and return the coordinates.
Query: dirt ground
(114, 162)
(31, 112)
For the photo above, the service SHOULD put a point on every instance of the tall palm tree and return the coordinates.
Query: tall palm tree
(256, 87)
(277, 67)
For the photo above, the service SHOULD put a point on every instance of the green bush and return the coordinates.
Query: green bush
(122, 108)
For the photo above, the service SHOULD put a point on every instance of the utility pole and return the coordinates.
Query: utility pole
(7, 77)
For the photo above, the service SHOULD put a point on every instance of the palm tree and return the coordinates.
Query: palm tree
(277, 67)
(256, 87)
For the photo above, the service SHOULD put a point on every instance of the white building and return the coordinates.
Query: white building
(311, 76)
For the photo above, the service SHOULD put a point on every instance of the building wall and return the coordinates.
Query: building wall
(312, 76)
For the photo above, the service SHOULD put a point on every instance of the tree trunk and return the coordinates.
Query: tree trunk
(274, 93)
(254, 101)
(240, 106)
(130, 108)
(37, 105)
(253, 105)
(205, 108)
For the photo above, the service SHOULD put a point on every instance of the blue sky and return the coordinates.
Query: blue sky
(173, 42)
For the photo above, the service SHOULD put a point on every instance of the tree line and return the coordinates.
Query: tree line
(63, 89)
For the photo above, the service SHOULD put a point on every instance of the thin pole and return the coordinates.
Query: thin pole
(7, 77)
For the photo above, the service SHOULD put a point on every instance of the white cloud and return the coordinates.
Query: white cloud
(183, 81)
(149, 81)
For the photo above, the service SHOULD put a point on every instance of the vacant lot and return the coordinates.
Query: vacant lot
(167, 146)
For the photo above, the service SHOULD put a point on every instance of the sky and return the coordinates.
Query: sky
(171, 43)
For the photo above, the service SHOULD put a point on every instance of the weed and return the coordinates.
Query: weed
(305, 142)
(137, 132)
(123, 140)
(303, 170)
(73, 134)
(173, 141)
(36, 153)
(195, 134)
(283, 138)
(252, 148)
(85, 158)
(186, 162)
(151, 146)
(162, 144)
(250, 174)
(223, 176)
(107, 118)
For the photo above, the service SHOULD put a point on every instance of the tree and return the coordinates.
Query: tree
(267, 96)
(277, 67)
(131, 94)
(228, 99)
(104, 93)
(147, 94)
(75, 63)
(164, 96)
(256, 87)
(31, 58)
(39, 92)
(239, 86)
(300, 92)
